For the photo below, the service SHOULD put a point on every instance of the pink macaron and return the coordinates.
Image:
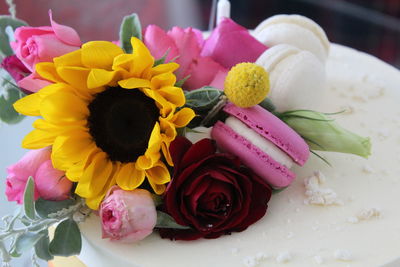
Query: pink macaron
(263, 142)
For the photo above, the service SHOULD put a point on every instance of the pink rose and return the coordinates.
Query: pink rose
(50, 184)
(186, 45)
(42, 44)
(230, 44)
(127, 216)
(32, 83)
(14, 67)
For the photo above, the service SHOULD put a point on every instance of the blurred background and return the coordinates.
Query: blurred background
(372, 26)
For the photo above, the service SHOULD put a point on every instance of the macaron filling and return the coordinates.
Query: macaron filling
(259, 141)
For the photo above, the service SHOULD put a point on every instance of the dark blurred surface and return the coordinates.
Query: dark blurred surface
(372, 26)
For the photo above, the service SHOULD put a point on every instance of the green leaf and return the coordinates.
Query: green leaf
(166, 221)
(29, 204)
(202, 99)
(5, 21)
(9, 94)
(67, 239)
(45, 207)
(182, 81)
(268, 105)
(130, 27)
(25, 242)
(324, 134)
(42, 247)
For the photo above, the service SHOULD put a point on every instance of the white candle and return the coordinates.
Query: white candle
(223, 10)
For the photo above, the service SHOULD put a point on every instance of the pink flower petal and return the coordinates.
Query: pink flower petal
(188, 46)
(219, 79)
(49, 47)
(158, 42)
(202, 72)
(230, 44)
(32, 84)
(65, 33)
(52, 183)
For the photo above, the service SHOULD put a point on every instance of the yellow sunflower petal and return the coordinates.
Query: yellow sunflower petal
(71, 59)
(95, 176)
(164, 79)
(134, 83)
(75, 76)
(99, 54)
(169, 67)
(47, 70)
(29, 105)
(158, 176)
(152, 154)
(128, 177)
(75, 172)
(167, 154)
(100, 77)
(68, 150)
(183, 117)
(124, 62)
(164, 106)
(63, 107)
(173, 95)
(38, 139)
(142, 58)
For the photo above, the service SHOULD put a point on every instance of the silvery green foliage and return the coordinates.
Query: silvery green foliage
(9, 93)
(130, 27)
(36, 217)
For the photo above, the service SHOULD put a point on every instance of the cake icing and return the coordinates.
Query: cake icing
(355, 225)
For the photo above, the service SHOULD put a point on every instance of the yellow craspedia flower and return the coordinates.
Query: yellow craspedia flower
(109, 117)
(246, 85)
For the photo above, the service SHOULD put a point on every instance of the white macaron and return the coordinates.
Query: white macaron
(297, 77)
(295, 30)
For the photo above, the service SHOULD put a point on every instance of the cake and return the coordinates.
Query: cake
(344, 215)
(85, 137)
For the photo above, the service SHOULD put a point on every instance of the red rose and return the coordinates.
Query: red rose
(211, 192)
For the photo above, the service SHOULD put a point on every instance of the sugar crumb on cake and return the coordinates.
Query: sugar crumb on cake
(318, 195)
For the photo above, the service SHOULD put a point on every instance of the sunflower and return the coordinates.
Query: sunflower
(109, 117)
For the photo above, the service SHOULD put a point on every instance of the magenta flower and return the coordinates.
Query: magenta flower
(230, 44)
(14, 67)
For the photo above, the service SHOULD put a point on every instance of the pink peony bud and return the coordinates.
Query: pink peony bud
(50, 183)
(41, 44)
(127, 216)
(230, 44)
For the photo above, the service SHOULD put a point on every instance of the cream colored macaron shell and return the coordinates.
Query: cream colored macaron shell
(295, 30)
(297, 77)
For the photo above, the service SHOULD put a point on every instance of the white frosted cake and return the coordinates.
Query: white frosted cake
(344, 215)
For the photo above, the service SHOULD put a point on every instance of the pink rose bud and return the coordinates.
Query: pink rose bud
(41, 44)
(14, 67)
(50, 183)
(32, 83)
(127, 216)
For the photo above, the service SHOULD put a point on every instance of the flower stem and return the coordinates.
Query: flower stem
(12, 8)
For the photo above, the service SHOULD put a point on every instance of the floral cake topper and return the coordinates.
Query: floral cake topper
(166, 132)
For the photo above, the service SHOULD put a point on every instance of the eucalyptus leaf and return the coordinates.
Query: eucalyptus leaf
(9, 94)
(166, 221)
(130, 27)
(67, 239)
(29, 204)
(42, 247)
(202, 99)
(25, 242)
(45, 207)
(5, 21)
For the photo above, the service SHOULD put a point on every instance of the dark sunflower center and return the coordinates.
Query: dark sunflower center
(121, 122)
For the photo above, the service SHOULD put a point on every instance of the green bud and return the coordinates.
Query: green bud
(322, 133)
